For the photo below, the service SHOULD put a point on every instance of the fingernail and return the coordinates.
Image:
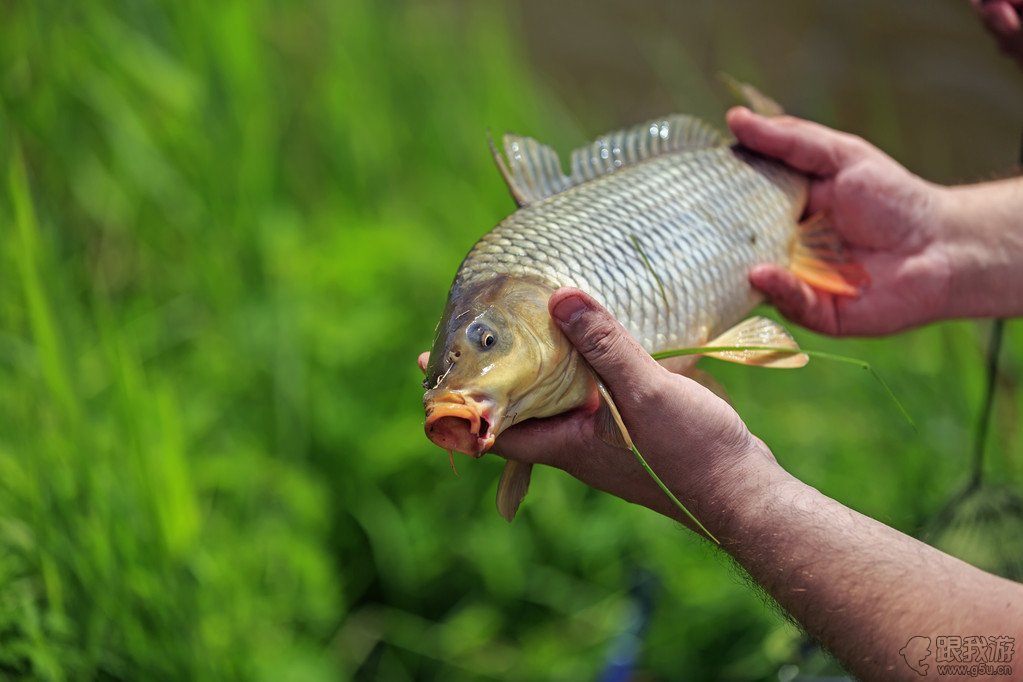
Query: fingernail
(568, 310)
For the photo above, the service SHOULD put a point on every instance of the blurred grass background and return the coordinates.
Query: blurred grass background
(226, 229)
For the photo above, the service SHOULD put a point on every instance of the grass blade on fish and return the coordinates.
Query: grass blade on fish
(862, 364)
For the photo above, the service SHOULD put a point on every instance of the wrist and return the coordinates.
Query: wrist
(982, 239)
(759, 506)
(729, 492)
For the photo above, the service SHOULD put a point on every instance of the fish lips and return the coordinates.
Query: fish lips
(461, 423)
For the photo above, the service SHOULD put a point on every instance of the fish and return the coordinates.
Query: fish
(660, 223)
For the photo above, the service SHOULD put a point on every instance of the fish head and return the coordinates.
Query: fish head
(498, 359)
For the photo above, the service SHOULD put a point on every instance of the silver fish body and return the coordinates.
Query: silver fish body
(666, 244)
(661, 223)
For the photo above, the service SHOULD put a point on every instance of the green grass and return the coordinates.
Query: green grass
(226, 230)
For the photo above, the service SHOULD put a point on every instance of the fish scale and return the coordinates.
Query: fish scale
(703, 218)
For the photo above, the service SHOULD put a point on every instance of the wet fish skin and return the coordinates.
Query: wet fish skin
(701, 218)
(661, 223)
(664, 239)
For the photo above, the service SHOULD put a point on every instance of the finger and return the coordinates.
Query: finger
(1001, 17)
(424, 360)
(602, 341)
(558, 442)
(794, 299)
(542, 441)
(821, 196)
(804, 145)
(981, 5)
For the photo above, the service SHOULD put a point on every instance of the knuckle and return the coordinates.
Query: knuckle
(601, 342)
(659, 389)
(854, 146)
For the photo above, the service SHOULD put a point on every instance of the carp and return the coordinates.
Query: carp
(661, 223)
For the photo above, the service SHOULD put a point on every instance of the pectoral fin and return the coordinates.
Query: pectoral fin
(512, 488)
(758, 331)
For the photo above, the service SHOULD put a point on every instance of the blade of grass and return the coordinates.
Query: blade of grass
(657, 479)
(44, 328)
(862, 364)
(617, 416)
(646, 261)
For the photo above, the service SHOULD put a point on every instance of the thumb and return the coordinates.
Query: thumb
(614, 355)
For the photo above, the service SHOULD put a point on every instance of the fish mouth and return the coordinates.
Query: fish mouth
(462, 423)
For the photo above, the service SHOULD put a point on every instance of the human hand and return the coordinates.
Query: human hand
(1003, 20)
(884, 214)
(695, 441)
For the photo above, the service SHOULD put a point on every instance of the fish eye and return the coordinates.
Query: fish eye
(481, 335)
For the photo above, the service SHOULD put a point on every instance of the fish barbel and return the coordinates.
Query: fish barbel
(660, 223)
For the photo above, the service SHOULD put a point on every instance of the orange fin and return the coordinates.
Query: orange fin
(512, 488)
(758, 331)
(819, 259)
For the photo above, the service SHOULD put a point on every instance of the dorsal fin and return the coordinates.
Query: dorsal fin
(533, 171)
(751, 97)
(631, 145)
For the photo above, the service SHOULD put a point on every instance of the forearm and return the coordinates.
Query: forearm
(983, 230)
(859, 587)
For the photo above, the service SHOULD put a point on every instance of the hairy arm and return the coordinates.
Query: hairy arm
(859, 587)
(983, 226)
